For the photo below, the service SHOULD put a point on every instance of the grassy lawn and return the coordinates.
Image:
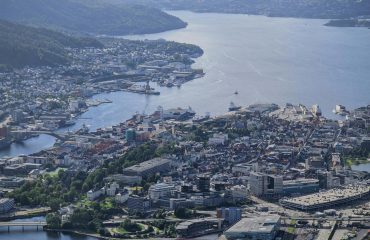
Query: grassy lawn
(355, 161)
(84, 202)
(107, 203)
(291, 230)
(121, 230)
(55, 172)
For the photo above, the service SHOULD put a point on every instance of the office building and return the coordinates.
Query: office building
(230, 215)
(204, 183)
(160, 190)
(264, 185)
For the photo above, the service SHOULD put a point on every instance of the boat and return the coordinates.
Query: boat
(70, 122)
(233, 107)
(83, 130)
(340, 110)
(236, 92)
(201, 118)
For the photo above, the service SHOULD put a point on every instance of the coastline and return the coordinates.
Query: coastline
(90, 102)
(87, 234)
(356, 162)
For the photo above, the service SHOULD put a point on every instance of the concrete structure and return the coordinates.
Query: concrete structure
(180, 203)
(245, 168)
(265, 185)
(239, 193)
(11, 182)
(255, 228)
(203, 183)
(136, 204)
(218, 139)
(300, 186)
(327, 199)
(125, 180)
(6, 204)
(230, 215)
(160, 190)
(198, 227)
(153, 166)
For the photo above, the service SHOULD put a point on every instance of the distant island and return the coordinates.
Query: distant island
(29, 46)
(349, 23)
(325, 9)
(93, 16)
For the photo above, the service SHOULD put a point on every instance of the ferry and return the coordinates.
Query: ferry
(340, 110)
(234, 107)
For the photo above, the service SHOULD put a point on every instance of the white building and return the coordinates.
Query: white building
(111, 191)
(122, 197)
(94, 194)
(160, 190)
(239, 193)
(218, 139)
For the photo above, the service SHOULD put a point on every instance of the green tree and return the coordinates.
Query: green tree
(54, 204)
(53, 220)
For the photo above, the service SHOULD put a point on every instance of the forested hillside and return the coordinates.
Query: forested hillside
(22, 45)
(281, 8)
(95, 16)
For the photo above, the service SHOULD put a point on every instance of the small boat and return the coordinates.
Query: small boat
(233, 107)
(236, 92)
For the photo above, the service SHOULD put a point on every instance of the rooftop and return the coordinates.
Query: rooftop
(328, 196)
(148, 164)
(264, 224)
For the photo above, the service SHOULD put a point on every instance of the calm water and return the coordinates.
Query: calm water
(31, 233)
(361, 167)
(265, 59)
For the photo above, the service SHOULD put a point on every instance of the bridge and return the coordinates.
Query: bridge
(61, 136)
(38, 225)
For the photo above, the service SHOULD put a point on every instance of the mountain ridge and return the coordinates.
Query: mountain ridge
(94, 17)
(30, 46)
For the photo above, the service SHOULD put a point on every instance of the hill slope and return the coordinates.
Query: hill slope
(94, 16)
(280, 8)
(21, 45)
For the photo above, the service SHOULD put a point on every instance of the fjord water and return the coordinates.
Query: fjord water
(267, 60)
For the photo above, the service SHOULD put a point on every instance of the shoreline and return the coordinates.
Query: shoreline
(75, 232)
(356, 162)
